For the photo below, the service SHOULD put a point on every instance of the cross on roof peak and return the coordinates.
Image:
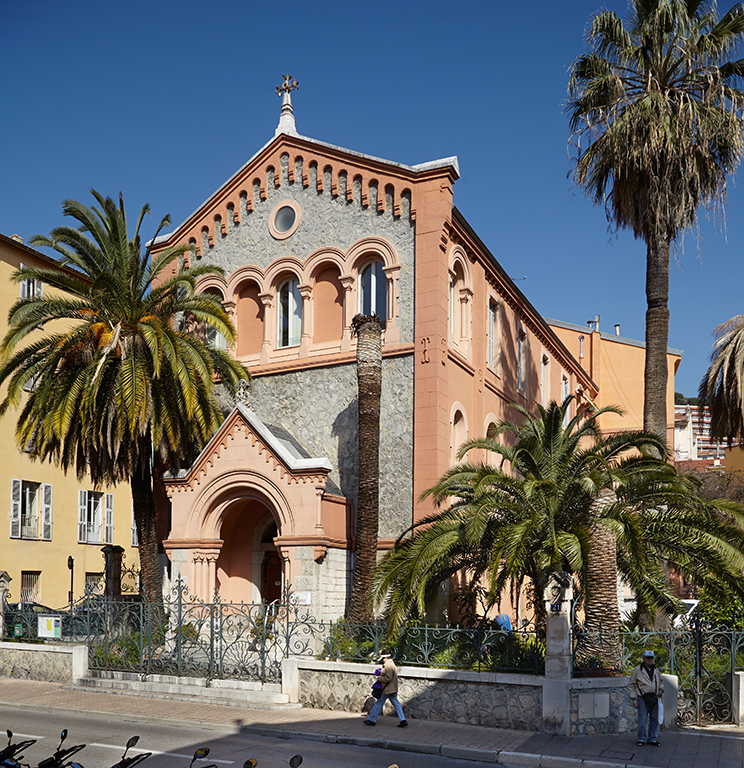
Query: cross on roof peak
(286, 118)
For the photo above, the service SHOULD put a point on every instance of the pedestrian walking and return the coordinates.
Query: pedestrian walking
(389, 678)
(646, 689)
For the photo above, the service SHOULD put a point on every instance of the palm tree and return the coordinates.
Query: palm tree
(369, 382)
(722, 386)
(116, 384)
(540, 510)
(656, 98)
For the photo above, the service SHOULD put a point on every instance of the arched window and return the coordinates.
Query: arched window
(212, 336)
(373, 291)
(290, 314)
(459, 434)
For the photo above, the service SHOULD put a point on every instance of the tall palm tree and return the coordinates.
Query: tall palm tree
(722, 386)
(117, 380)
(369, 384)
(539, 510)
(657, 103)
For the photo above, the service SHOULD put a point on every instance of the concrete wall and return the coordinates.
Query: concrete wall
(49, 663)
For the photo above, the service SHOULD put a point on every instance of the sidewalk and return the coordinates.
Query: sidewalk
(689, 748)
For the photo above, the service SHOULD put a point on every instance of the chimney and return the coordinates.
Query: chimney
(17, 238)
(617, 329)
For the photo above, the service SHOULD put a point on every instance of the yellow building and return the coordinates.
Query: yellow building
(51, 516)
(616, 365)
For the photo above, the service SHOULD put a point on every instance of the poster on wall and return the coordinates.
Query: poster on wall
(49, 627)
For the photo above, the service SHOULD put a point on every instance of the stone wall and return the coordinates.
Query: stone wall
(476, 698)
(286, 399)
(46, 662)
(602, 705)
(328, 582)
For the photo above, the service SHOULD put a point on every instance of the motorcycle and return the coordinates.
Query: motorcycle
(129, 762)
(9, 752)
(57, 760)
(294, 762)
(200, 754)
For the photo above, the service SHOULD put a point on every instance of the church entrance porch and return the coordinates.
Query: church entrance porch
(252, 518)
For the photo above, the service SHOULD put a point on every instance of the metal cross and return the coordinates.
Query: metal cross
(287, 86)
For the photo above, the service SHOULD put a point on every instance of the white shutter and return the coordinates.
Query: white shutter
(46, 512)
(38, 289)
(24, 285)
(135, 540)
(82, 516)
(15, 509)
(109, 526)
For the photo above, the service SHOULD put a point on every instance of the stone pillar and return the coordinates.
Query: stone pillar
(556, 704)
(5, 580)
(112, 554)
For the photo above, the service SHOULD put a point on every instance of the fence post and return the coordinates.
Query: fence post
(5, 580)
(556, 698)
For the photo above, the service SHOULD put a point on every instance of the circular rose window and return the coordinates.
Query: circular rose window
(284, 219)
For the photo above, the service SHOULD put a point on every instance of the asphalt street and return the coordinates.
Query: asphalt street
(173, 746)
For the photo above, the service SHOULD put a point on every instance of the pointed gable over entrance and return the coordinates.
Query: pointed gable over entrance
(252, 490)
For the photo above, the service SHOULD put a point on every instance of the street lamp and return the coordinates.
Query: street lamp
(71, 566)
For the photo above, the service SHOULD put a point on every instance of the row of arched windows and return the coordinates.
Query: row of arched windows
(310, 305)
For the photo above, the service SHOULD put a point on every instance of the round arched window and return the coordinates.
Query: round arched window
(284, 219)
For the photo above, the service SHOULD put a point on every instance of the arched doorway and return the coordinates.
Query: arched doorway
(249, 566)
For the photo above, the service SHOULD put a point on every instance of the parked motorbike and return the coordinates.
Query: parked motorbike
(129, 762)
(200, 754)
(57, 760)
(9, 753)
(293, 762)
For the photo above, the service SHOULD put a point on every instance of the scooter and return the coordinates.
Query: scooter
(9, 752)
(57, 760)
(129, 762)
(200, 754)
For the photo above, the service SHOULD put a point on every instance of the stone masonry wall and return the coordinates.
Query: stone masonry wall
(476, 698)
(319, 407)
(328, 582)
(601, 705)
(47, 663)
(327, 221)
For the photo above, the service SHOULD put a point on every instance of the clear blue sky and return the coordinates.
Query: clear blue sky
(165, 100)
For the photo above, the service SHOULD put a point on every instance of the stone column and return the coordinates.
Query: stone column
(5, 580)
(556, 704)
(112, 554)
(269, 325)
(347, 282)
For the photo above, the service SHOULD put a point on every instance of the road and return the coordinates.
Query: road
(173, 746)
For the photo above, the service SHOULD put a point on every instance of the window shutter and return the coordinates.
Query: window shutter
(82, 516)
(109, 527)
(24, 285)
(295, 315)
(38, 289)
(135, 540)
(15, 509)
(46, 512)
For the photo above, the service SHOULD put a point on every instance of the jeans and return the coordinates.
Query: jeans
(643, 715)
(380, 703)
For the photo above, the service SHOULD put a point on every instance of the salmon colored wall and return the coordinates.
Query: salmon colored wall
(249, 325)
(328, 300)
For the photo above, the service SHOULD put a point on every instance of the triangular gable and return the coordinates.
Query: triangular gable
(279, 453)
(290, 159)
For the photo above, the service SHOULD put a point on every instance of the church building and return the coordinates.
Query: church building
(310, 234)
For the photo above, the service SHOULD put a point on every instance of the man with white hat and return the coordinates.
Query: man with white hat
(646, 688)
(389, 678)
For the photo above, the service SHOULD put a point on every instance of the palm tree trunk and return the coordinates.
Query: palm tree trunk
(601, 643)
(657, 335)
(147, 533)
(369, 383)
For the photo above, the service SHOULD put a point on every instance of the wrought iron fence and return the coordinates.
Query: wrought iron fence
(703, 658)
(480, 649)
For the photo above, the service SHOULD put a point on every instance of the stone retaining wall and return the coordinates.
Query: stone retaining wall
(476, 698)
(46, 662)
